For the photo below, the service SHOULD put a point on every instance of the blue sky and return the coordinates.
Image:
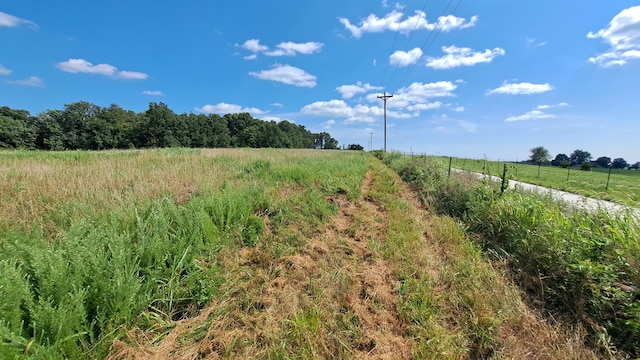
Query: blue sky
(469, 78)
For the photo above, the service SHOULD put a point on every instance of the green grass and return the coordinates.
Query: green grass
(136, 237)
(572, 263)
(624, 185)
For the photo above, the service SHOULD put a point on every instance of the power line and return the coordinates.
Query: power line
(406, 45)
(436, 31)
(384, 75)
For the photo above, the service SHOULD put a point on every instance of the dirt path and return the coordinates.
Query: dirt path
(332, 298)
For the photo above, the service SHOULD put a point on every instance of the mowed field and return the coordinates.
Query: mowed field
(275, 254)
(623, 185)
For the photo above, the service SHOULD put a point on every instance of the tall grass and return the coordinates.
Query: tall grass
(581, 266)
(92, 243)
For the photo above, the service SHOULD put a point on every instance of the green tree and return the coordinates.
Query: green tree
(579, 157)
(539, 155)
(324, 141)
(603, 161)
(619, 163)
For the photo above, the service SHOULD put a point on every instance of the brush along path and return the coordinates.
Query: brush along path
(383, 279)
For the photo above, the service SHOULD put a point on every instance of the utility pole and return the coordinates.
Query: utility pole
(384, 98)
(371, 141)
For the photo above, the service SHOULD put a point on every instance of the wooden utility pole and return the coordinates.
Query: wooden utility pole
(371, 141)
(384, 98)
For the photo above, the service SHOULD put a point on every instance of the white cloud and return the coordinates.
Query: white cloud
(349, 91)
(290, 48)
(623, 37)
(253, 45)
(524, 88)
(153, 93)
(534, 42)
(418, 93)
(83, 66)
(406, 103)
(32, 81)
(405, 58)
(4, 70)
(224, 108)
(531, 115)
(287, 48)
(392, 21)
(544, 107)
(456, 56)
(327, 124)
(132, 75)
(468, 126)
(9, 20)
(459, 109)
(288, 75)
(272, 118)
(277, 105)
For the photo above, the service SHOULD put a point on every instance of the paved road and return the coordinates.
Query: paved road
(575, 199)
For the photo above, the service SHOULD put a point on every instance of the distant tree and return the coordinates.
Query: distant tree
(324, 141)
(539, 155)
(619, 163)
(579, 157)
(561, 160)
(586, 166)
(635, 166)
(355, 147)
(603, 161)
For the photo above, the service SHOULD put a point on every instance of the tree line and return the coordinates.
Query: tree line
(86, 126)
(540, 155)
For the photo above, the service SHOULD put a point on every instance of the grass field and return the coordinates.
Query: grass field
(624, 185)
(273, 254)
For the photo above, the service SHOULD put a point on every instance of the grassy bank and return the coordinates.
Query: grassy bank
(578, 266)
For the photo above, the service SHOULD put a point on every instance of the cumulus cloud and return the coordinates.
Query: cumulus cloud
(32, 81)
(531, 115)
(286, 48)
(524, 88)
(327, 124)
(153, 92)
(406, 103)
(4, 70)
(254, 45)
(224, 108)
(393, 22)
(459, 109)
(288, 75)
(290, 48)
(418, 95)
(9, 20)
(456, 56)
(75, 66)
(272, 118)
(405, 58)
(349, 91)
(623, 37)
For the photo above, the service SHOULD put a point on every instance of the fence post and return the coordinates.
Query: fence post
(503, 187)
(606, 188)
(449, 173)
(568, 170)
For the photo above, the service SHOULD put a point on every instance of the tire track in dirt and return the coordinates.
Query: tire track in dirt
(334, 275)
